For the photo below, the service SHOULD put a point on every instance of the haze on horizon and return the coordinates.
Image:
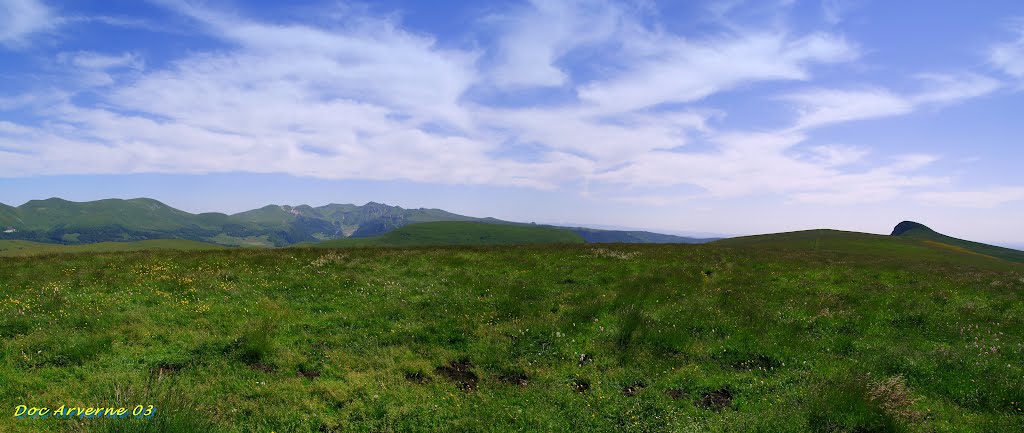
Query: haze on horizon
(732, 116)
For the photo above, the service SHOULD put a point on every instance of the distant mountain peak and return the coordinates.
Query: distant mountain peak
(906, 226)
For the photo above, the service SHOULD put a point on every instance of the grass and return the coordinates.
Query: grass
(642, 338)
(9, 248)
(457, 233)
(855, 243)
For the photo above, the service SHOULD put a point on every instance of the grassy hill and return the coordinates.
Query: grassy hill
(866, 244)
(29, 248)
(459, 233)
(595, 338)
(913, 230)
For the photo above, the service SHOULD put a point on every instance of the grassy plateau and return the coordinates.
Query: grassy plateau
(573, 338)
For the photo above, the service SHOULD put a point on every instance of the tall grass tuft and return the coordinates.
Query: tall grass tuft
(174, 412)
(256, 344)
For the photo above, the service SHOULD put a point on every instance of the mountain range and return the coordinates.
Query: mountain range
(61, 221)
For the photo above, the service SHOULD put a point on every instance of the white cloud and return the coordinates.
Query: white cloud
(670, 69)
(588, 132)
(835, 11)
(836, 156)
(765, 163)
(371, 60)
(947, 88)
(828, 106)
(21, 19)
(1009, 56)
(821, 107)
(987, 198)
(100, 61)
(91, 69)
(538, 34)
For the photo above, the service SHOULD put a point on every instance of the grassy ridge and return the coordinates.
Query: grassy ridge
(458, 233)
(867, 244)
(28, 248)
(642, 338)
(911, 230)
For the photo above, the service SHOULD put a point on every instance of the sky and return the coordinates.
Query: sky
(730, 116)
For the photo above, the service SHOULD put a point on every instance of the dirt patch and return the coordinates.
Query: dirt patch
(675, 393)
(585, 359)
(893, 396)
(580, 385)
(166, 369)
(517, 378)
(715, 400)
(309, 374)
(417, 378)
(266, 368)
(461, 373)
(633, 390)
(757, 362)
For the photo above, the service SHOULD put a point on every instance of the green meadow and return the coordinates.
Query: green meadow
(809, 336)
(9, 248)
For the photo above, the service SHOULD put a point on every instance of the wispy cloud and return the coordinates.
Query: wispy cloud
(835, 11)
(984, 198)
(538, 34)
(820, 107)
(21, 19)
(670, 69)
(1009, 56)
(768, 163)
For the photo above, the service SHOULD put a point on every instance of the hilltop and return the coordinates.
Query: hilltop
(914, 230)
(908, 240)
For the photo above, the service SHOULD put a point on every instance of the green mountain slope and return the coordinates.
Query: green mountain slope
(866, 244)
(64, 222)
(8, 216)
(269, 216)
(29, 248)
(139, 214)
(113, 220)
(459, 233)
(913, 230)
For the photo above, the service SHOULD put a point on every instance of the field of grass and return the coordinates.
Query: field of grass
(577, 338)
(457, 233)
(10, 248)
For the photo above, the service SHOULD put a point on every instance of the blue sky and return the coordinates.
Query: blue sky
(726, 116)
